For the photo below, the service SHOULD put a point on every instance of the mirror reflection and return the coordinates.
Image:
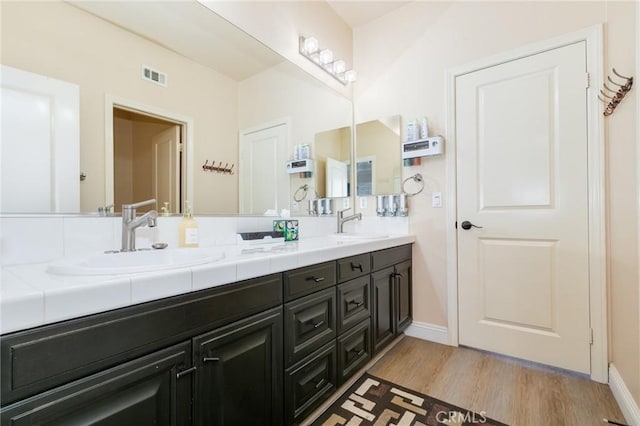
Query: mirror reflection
(227, 99)
(378, 162)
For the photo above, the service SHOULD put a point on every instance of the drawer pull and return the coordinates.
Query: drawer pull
(355, 302)
(358, 266)
(315, 324)
(319, 383)
(185, 372)
(316, 279)
(357, 351)
(208, 359)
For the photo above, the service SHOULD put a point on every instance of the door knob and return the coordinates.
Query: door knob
(466, 225)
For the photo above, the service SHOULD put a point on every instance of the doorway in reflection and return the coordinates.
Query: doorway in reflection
(147, 160)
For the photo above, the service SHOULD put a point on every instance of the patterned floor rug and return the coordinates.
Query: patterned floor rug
(374, 401)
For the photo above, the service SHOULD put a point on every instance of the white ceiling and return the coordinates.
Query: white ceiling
(358, 12)
(191, 30)
(188, 28)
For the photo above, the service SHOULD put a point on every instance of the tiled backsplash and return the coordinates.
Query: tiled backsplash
(34, 239)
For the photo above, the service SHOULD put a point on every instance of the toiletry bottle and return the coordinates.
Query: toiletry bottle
(188, 236)
(424, 128)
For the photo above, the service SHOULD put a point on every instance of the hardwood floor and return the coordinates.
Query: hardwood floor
(511, 391)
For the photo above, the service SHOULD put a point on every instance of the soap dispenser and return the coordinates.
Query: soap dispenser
(188, 236)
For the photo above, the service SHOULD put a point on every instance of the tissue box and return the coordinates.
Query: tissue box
(288, 227)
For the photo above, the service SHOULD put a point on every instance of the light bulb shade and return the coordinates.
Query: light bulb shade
(310, 45)
(350, 76)
(339, 66)
(326, 56)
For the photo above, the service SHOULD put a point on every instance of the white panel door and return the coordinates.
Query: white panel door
(337, 178)
(263, 180)
(166, 168)
(522, 179)
(39, 143)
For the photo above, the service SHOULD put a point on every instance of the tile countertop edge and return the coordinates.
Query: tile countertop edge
(307, 252)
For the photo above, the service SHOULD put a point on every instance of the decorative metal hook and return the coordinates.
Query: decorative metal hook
(620, 75)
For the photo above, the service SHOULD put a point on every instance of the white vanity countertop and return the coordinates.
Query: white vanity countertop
(30, 296)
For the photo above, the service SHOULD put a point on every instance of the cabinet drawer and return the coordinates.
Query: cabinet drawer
(353, 302)
(309, 323)
(310, 383)
(307, 280)
(388, 257)
(354, 266)
(354, 350)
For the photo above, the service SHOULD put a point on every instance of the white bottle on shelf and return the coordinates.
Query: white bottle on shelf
(424, 128)
(412, 130)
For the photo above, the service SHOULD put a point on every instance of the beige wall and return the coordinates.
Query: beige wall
(330, 144)
(377, 140)
(61, 41)
(402, 59)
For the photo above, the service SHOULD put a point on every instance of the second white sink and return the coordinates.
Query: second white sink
(133, 262)
(347, 236)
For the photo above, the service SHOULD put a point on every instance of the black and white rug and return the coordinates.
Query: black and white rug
(377, 402)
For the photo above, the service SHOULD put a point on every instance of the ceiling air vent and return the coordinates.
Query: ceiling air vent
(154, 76)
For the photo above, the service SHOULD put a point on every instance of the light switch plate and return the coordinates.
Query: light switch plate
(345, 203)
(363, 203)
(436, 199)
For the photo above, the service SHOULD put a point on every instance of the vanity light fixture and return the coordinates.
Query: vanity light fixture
(310, 49)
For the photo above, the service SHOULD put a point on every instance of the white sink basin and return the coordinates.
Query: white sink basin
(347, 236)
(132, 262)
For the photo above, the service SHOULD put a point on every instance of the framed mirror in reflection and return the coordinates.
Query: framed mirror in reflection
(212, 92)
(378, 162)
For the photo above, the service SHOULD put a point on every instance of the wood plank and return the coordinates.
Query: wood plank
(511, 391)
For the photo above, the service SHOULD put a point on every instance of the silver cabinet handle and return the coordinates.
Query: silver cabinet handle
(185, 372)
(316, 279)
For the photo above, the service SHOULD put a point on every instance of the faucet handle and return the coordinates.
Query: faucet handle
(140, 204)
(340, 212)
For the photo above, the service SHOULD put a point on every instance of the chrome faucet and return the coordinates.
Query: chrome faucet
(342, 219)
(130, 223)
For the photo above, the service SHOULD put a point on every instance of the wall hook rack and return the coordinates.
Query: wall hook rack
(219, 168)
(612, 100)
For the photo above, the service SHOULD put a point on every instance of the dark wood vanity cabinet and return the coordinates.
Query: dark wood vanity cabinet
(391, 294)
(144, 364)
(265, 351)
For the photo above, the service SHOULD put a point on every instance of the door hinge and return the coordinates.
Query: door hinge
(591, 336)
(588, 80)
(180, 147)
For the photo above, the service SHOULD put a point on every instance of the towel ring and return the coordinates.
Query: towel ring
(416, 178)
(304, 188)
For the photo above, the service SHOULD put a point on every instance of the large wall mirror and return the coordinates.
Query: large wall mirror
(378, 163)
(192, 88)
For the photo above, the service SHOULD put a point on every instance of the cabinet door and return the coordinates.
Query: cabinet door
(151, 390)
(240, 372)
(383, 308)
(403, 296)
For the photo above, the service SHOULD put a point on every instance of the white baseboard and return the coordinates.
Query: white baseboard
(430, 332)
(623, 397)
